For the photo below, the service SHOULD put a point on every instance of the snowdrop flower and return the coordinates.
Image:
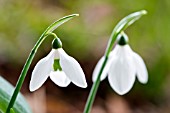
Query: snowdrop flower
(122, 67)
(60, 67)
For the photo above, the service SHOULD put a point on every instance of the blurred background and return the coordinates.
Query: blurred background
(85, 38)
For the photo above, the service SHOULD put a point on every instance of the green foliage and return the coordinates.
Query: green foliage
(6, 90)
(85, 38)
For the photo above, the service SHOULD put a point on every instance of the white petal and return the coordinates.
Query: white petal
(121, 74)
(141, 69)
(97, 69)
(60, 78)
(56, 54)
(106, 68)
(41, 71)
(72, 69)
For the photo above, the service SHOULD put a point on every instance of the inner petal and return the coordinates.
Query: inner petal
(60, 78)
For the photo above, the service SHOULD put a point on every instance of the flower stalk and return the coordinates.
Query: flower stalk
(120, 27)
(47, 32)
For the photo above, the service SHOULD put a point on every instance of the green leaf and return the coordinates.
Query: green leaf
(128, 20)
(121, 26)
(12, 110)
(57, 23)
(52, 27)
(6, 90)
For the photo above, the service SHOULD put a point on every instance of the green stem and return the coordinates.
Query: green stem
(94, 89)
(31, 56)
(23, 74)
(121, 26)
(96, 84)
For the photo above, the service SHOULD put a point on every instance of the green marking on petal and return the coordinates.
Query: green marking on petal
(56, 65)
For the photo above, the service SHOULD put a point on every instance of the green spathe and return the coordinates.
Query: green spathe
(6, 90)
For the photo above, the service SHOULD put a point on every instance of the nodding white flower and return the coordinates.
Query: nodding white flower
(60, 67)
(122, 67)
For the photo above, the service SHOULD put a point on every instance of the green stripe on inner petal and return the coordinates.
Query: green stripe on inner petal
(56, 65)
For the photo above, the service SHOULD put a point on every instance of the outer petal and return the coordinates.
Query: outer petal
(97, 69)
(99, 65)
(141, 69)
(41, 71)
(72, 69)
(60, 78)
(121, 74)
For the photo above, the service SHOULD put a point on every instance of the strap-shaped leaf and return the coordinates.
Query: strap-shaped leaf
(6, 90)
(121, 26)
(52, 27)
(128, 20)
(57, 23)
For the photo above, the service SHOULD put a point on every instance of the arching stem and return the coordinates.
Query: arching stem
(28, 62)
(121, 26)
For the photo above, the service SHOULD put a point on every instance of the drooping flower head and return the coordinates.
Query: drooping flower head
(122, 67)
(60, 67)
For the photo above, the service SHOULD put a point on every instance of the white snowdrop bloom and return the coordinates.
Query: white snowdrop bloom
(60, 67)
(122, 67)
